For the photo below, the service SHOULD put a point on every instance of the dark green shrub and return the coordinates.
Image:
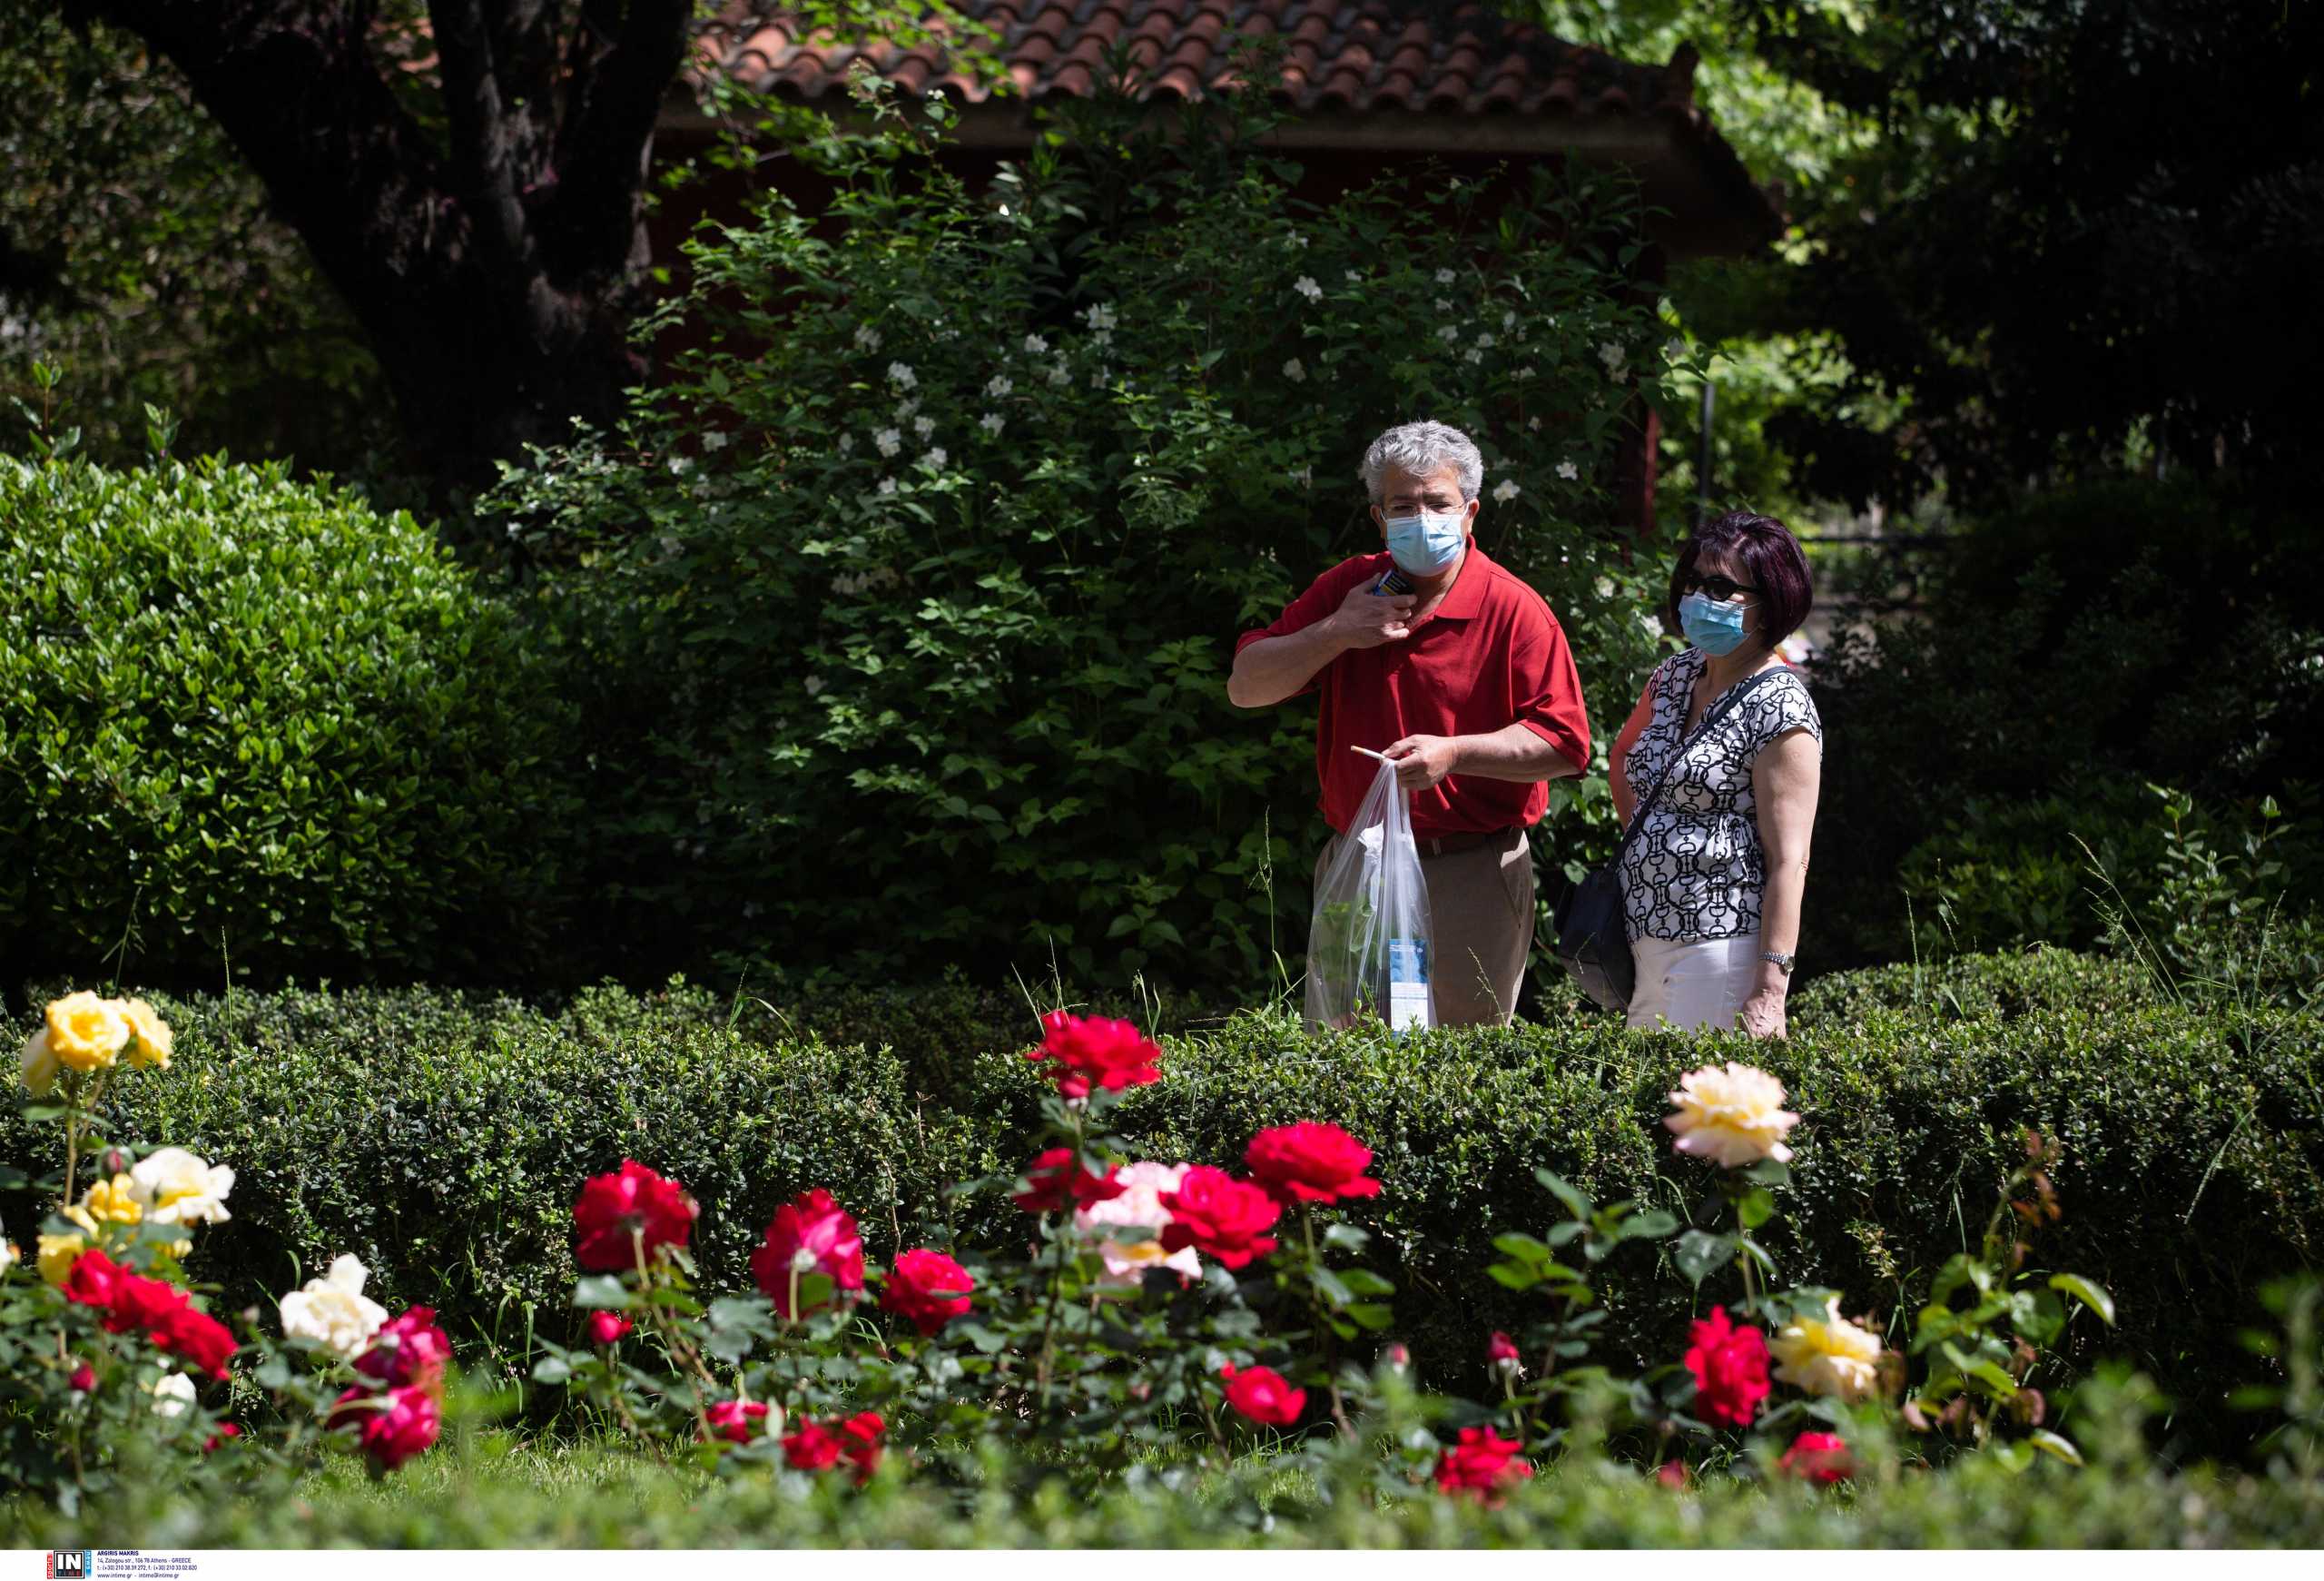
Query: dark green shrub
(2065, 655)
(911, 596)
(1979, 987)
(444, 1140)
(243, 718)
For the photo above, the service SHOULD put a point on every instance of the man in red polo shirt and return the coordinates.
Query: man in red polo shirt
(1465, 681)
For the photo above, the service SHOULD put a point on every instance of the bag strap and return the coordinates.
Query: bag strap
(1720, 710)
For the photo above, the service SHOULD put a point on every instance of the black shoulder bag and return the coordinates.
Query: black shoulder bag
(1592, 940)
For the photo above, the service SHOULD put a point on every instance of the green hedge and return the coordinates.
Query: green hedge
(250, 719)
(443, 1138)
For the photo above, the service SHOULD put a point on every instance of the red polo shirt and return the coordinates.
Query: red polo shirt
(1489, 656)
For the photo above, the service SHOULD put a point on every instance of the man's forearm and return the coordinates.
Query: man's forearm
(1517, 753)
(1267, 672)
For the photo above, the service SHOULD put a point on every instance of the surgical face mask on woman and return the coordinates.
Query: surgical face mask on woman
(1425, 544)
(1714, 628)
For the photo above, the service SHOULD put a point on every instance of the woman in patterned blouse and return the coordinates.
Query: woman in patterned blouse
(1712, 885)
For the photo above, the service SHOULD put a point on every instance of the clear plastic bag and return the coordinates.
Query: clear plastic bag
(1368, 938)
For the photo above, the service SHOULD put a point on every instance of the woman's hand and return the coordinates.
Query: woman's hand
(1762, 1014)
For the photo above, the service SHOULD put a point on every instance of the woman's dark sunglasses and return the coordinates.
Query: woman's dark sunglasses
(1717, 589)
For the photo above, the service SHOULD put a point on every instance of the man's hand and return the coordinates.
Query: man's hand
(1367, 620)
(1423, 760)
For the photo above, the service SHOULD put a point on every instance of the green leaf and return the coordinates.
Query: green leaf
(1699, 1253)
(1651, 1225)
(1513, 1275)
(2089, 1294)
(1365, 1282)
(2054, 1444)
(551, 1369)
(600, 1291)
(1755, 1207)
(1372, 1315)
(1523, 1248)
(2003, 1386)
(1563, 1190)
(1347, 1237)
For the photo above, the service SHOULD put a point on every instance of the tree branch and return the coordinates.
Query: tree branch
(607, 133)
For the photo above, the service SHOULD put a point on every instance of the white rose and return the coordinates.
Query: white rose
(334, 1309)
(39, 1064)
(1140, 1206)
(172, 1394)
(174, 1186)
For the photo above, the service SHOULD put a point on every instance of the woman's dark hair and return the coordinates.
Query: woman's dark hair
(1772, 561)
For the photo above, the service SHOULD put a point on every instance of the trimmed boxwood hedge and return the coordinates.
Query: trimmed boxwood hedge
(442, 1138)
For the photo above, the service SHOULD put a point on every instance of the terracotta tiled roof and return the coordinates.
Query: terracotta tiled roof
(1340, 55)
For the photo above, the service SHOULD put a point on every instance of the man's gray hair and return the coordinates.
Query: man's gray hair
(1420, 448)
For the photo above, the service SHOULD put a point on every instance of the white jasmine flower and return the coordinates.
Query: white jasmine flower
(924, 426)
(846, 444)
(1615, 359)
(1304, 477)
(334, 1309)
(814, 685)
(936, 456)
(1354, 277)
(1535, 423)
(904, 408)
(1604, 586)
(1445, 277)
(1100, 317)
(990, 422)
(889, 441)
(1566, 469)
(1294, 370)
(1448, 334)
(1505, 491)
(1295, 240)
(1472, 355)
(887, 485)
(1035, 345)
(867, 336)
(1485, 340)
(1509, 320)
(1524, 373)
(1442, 305)
(678, 465)
(1059, 373)
(901, 375)
(999, 386)
(715, 439)
(1306, 286)
(1101, 338)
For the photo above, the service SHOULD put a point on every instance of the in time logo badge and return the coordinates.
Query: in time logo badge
(71, 1563)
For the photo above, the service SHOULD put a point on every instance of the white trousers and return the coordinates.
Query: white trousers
(1693, 985)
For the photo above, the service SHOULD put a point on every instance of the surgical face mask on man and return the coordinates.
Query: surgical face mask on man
(1714, 628)
(1425, 544)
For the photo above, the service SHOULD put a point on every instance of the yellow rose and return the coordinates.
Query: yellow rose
(155, 1040)
(38, 1065)
(58, 1253)
(115, 1200)
(1827, 1355)
(1733, 1117)
(86, 1032)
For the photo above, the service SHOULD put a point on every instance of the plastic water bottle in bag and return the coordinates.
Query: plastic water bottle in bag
(1368, 938)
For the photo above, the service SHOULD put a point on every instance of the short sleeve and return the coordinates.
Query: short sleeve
(1788, 707)
(1547, 690)
(1323, 596)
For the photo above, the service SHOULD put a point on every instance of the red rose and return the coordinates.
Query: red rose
(608, 1327)
(863, 1438)
(811, 1234)
(613, 1208)
(1219, 1216)
(1818, 1457)
(1093, 1051)
(200, 1340)
(140, 1303)
(1501, 1353)
(736, 1421)
(1261, 1394)
(1058, 1181)
(1672, 1474)
(89, 1281)
(225, 1430)
(1311, 1161)
(1483, 1463)
(929, 1289)
(409, 1349)
(813, 1447)
(390, 1427)
(85, 1378)
(1730, 1368)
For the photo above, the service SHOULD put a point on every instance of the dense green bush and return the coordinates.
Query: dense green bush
(443, 1140)
(2060, 661)
(912, 594)
(245, 719)
(481, 1491)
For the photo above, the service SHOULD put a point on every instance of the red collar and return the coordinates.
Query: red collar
(1466, 598)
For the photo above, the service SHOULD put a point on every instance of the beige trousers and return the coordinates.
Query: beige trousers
(1481, 921)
